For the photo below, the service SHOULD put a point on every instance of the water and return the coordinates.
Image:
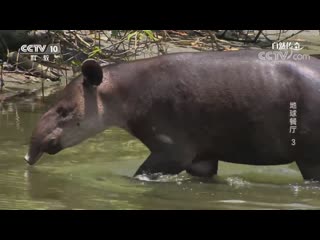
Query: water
(97, 174)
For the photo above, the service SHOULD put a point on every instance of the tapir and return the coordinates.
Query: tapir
(193, 109)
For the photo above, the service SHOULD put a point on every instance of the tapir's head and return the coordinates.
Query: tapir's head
(78, 115)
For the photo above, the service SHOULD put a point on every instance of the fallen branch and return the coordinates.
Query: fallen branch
(294, 34)
(214, 39)
(34, 68)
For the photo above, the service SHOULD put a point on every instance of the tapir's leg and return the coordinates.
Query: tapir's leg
(307, 154)
(310, 170)
(203, 167)
(169, 161)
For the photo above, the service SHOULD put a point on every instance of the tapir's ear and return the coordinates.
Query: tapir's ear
(92, 72)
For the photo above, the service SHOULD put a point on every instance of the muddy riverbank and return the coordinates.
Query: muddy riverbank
(21, 84)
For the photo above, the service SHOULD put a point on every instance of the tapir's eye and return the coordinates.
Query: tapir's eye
(62, 112)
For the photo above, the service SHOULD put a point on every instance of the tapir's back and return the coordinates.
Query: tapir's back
(234, 105)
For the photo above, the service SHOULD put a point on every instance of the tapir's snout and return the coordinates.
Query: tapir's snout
(35, 151)
(31, 159)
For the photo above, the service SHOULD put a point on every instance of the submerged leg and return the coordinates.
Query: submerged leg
(170, 161)
(310, 170)
(203, 167)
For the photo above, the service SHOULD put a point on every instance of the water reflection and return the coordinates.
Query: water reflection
(10, 112)
(41, 185)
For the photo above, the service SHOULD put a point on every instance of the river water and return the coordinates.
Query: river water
(97, 174)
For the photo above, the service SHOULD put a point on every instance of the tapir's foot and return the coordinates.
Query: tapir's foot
(203, 168)
(310, 170)
(166, 163)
